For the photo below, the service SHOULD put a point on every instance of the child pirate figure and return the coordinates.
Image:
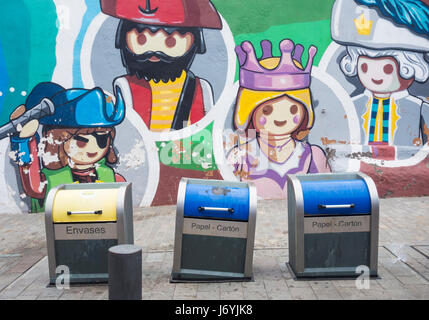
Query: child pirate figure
(159, 40)
(387, 48)
(76, 144)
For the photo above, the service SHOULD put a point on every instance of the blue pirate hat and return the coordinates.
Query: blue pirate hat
(78, 108)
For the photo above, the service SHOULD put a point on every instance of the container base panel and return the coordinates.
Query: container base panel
(190, 275)
(213, 254)
(339, 251)
(86, 260)
(330, 273)
(81, 279)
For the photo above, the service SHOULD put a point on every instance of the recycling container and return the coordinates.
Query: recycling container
(333, 222)
(83, 221)
(215, 231)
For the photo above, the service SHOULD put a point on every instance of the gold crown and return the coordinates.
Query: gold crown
(363, 25)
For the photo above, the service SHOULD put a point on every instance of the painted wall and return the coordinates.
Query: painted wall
(152, 91)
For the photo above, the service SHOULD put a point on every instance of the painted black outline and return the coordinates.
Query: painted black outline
(148, 10)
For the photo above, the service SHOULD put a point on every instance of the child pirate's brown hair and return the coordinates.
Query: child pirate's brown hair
(54, 139)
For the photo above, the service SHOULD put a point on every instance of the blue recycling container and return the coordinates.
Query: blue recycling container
(333, 224)
(215, 229)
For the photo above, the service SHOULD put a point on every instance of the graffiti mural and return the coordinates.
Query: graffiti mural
(386, 68)
(150, 91)
(380, 56)
(77, 140)
(158, 42)
(274, 100)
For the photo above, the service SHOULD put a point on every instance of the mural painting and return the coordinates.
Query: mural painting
(274, 100)
(77, 140)
(158, 43)
(164, 89)
(385, 55)
(389, 115)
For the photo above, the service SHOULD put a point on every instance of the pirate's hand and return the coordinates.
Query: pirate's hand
(20, 145)
(30, 128)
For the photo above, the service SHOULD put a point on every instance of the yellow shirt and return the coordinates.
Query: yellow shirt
(165, 97)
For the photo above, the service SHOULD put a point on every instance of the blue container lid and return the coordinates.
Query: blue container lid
(232, 197)
(336, 197)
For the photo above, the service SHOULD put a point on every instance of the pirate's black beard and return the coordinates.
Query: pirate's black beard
(168, 68)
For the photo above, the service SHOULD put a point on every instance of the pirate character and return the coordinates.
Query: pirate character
(387, 48)
(159, 40)
(76, 143)
(274, 101)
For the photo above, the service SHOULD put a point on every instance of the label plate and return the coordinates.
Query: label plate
(337, 224)
(85, 231)
(203, 227)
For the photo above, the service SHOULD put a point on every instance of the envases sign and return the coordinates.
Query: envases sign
(85, 231)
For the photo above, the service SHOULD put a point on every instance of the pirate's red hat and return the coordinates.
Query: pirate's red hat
(174, 13)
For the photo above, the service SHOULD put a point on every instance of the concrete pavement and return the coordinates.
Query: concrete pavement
(403, 259)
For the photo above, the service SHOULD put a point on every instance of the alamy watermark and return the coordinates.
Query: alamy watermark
(62, 281)
(362, 282)
(199, 148)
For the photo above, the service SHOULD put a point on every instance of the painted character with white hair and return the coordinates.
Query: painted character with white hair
(387, 49)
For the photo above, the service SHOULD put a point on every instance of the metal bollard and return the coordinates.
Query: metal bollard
(125, 272)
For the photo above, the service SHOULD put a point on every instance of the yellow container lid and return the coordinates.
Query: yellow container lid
(87, 205)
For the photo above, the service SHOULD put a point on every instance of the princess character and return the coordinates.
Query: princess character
(273, 116)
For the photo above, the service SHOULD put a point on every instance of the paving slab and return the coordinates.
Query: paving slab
(403, 260)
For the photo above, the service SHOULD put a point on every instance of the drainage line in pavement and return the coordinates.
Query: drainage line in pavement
(13, 255)
(421, 252)
(404, 262)
(171, 250)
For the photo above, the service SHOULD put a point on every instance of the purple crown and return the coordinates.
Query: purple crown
(286, 76)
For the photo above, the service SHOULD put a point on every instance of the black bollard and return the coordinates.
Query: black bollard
(125, 272)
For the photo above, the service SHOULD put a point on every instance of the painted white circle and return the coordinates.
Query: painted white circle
(12, 89)
(226, 170)
(8, 205)
(349, 108)
(152, 154)
(23, 93)
(151, 150)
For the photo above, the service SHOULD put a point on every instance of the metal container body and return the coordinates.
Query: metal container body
(333, 224)
(82, 224)
(215, 231)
